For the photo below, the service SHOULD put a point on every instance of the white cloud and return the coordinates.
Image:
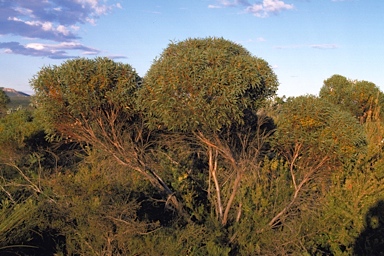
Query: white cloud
(53, 51)
(276, 5)
(256, 8)
(98, 9)
(261, 39)
(75, 28)
(50, 19)
(324, 46)
(35, 46)
(47, 26)
(261, 9)
(91, 21)
(63, 30)
(31, 23)
(90, 53)
(226, 3)
(24, 11)
(13, 19)
(257, 40)
(56, 21)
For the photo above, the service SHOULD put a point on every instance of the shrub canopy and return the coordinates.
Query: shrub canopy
(205, 84)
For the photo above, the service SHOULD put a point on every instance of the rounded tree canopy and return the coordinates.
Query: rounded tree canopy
(85, 90)
(361, 98)
(205, 84)
(336, 89)
(320, 126)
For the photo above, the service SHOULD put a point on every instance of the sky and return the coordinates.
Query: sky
(304, 41)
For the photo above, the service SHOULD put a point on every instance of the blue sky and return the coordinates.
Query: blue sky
(305, 41)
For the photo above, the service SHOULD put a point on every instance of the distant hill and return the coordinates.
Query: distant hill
(17, 98)
(13, 93)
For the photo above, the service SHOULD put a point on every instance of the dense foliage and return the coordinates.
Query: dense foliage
(361, 98)
(4, 100)
(195, 158)
(205, 84)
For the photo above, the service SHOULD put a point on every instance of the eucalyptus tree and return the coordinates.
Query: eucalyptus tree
(212, 88)
(315, 137)
(93, 101)
(361, 98)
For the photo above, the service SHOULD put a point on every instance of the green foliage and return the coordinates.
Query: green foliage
(18, 149)
(185, 172)
(15, 222)
(354, 191)
(314, 145)
(84, 92)
(95, 208)
(18, 102)
(17, 127)
(93, 101)
(206, 84)
(314, 125)
(4, 100)
(264, 191)
(360, 98)
(190, 240)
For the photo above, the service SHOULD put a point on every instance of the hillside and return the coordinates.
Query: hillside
(13, 93)
(17, 98)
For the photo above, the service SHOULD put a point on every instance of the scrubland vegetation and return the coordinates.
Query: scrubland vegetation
(198, 157)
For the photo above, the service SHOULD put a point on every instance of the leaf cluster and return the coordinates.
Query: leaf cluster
(361, 98)
(204, 84)
(85, 92)
(315, 124)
